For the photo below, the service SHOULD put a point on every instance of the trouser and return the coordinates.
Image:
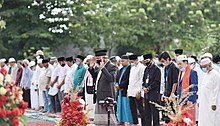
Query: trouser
(134, 105)
(61, 96)
(27, 96)
(56, 103)
(152, 114)
(47, 102)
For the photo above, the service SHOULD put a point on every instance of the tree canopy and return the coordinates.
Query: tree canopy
(139, 26)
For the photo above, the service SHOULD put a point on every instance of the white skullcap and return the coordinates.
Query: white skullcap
(117, 58)
(11, 60)
(32, 63)
(181, 58)
(89, 57)
(26, 61)
(39, 52)
(191, 60)
(129, 53)
(207, 55)
(39, 61)
(53, 59)
(140, 58)
(2, 60)
(205, 61)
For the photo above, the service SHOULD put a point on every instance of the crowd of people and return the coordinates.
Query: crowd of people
(132, 80)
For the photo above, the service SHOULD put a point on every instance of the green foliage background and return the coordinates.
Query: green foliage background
(138, 26)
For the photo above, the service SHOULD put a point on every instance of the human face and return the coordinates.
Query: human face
(62, 63)
(124, 62)
(182, 65)
(165, 62)
(41, 65)
(19, 65)
(45, 64)
(69, 63)
(12, 63)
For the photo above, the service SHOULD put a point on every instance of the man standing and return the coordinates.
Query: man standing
(13, 68)
(53, 91)
(209, 98)
(122, 82)
(151, 86)
(26, 82)
(171, 78)
(79, 74)
(70, 74)
(44, 85)
(61, 77)
(19, 73)
(135, 93)
(104, 88)
(187, 77)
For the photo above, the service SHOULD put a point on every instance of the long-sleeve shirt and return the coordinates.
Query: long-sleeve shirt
(135, 80)
(79, 75)
(26, 77)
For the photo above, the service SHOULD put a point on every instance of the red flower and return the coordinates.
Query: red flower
(9, 113)
(16, 112)
(1, 104)
(16, 95)
(15, 121)
(2, 113)
(3, 98)
(8, 90)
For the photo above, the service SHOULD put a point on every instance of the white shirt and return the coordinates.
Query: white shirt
(44, 75)
(210, 95)
(62, 74)
(35, 79)
(136, 80)
(55, 72)
(69, 78)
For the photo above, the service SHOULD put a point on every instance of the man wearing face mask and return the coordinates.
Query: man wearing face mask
(104, 88)
(216, 60)
(135, 93)
(79, 75)
(171, 74)
(151, 86)
(195, 66)
(187, 77)
(209, 98)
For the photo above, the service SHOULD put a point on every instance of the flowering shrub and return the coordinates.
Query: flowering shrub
(73, 111)
(177, 110)
(12, 106)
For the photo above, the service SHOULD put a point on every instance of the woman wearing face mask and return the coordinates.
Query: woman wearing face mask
(187, 77)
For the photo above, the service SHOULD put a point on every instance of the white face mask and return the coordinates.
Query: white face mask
(133, 64)
(205, 70)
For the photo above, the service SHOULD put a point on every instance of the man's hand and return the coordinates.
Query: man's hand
(172, 96)
(102, 64)
(51, 84)
(47, 86)
(59, 86)
(162, 98)
(117, 87)
(213, 107)
(146, 90)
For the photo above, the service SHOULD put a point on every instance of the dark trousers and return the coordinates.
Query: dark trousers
(134, 105)
(27, 96)
(56, 103)
(152, 114)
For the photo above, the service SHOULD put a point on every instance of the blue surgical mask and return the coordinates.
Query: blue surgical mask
(77, 63)
(205, 70)
(183, 69)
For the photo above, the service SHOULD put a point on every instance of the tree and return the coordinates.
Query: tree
(30, 24)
